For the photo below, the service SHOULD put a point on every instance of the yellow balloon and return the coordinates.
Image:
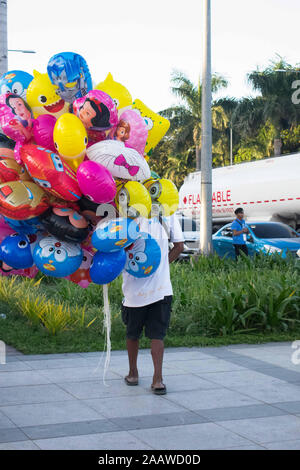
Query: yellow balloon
(116, 91)
(42, 98)
(157, 125)
(133, 200)
(70, 139)
(164, 196)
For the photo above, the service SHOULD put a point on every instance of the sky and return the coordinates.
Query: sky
(141, 42)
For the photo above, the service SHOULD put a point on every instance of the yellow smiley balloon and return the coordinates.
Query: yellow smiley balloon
(70, 139)
(164, 196)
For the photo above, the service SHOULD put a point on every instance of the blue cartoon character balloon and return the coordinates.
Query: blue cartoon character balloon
(16, 82)
(16, 251)
(143, 257)
(106, 267)
(69, 72)
(57, 258)
(115, 234)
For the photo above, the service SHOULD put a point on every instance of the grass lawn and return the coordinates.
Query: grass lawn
(215, 303)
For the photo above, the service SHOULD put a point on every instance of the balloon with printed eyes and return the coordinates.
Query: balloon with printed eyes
(143, 257)
(133, 200)
(82, 275)
(164, 196)
(115, 234)
(70, 74)
(66, 224)
(22, 200)
(10, 170)
(29, 226)
(57, 258)
(15, 81)
(106, 267)
(16, 251)
(7, 147)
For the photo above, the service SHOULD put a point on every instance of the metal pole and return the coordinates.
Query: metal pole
(230, 145)
(206, 139)
(3, 37)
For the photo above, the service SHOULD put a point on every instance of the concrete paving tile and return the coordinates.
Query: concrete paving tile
(67, 363)
(240, 378)
(26, 377)
(97, 389)
(51, 357)
(286, 445)
(5, 422)
(207, 399)
(32, 394)
(146, 369)
(109, 441)
(240, 412)
(159, 420)
(21, 445)
(210, 365)
(248, 447)
(121, 407)
(12, 366)
(170, 356)
(268, 429)
(182, 383)
(12, 435)
(73, 374)
(271, 392)
(70, 429)
(292, 407)
(190, 437)
(50, 413)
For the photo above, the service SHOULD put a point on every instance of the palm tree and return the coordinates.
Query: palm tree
(185, 118)
(275, 101)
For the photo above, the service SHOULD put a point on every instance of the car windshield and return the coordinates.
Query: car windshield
(272, 230)
(189, 225)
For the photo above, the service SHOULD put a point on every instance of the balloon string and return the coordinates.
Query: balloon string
(107, 326)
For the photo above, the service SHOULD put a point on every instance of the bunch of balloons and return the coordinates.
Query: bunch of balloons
(74, 175)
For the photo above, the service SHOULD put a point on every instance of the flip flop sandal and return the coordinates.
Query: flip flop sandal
(159, 390)
(131, 382)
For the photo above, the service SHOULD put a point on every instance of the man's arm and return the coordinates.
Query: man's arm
(175, 252)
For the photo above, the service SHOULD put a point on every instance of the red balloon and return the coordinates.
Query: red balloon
(50, 172)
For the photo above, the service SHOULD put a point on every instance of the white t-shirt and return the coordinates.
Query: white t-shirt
(144, 291)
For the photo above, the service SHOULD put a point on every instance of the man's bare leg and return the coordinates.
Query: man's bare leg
(132, 349)
(157, 352)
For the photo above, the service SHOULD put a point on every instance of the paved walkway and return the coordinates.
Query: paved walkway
(235, 397)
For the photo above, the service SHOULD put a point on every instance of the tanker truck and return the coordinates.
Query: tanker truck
(268, 190)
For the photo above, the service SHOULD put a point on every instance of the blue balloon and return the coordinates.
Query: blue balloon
(70, 73)
(143, 258)
(15, 81)
(106, 267)
(15, 251)
(57, 258)
(28, 226)
(115, 234)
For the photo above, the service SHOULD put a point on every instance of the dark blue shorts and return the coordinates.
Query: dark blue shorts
(155, 318)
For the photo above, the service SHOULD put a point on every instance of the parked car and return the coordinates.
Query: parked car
(265, 237)
(191, 232)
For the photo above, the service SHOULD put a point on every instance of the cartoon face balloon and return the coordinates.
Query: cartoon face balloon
(115, 234)
(50, 172)
(70, 74)
(134, 130)
(57, 258)
(143, 257)
(122, 162)
(157, 125)
(21, 200)
(42, 97)
(97, 111)
(10, 170)
(133, 200)
(16, 118)
(6, 147)
(82, 275)
(16, 251)
(66, 224)
(164, 196)
(117, 91)
(15, 81)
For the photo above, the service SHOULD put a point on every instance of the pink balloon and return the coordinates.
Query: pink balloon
(96, 182)
(138, 132)
(15, 117)
(43, 127)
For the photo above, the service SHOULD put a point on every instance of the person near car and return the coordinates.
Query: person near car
(239, 233)
(147, 300)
